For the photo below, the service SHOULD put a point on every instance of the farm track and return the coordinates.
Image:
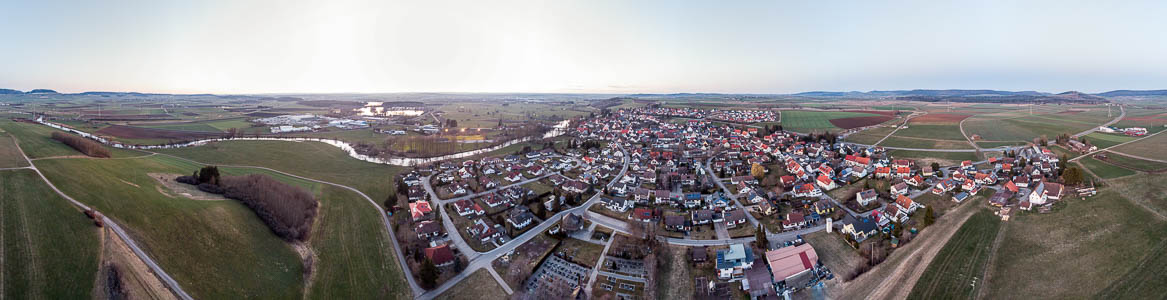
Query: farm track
(910, 266)
(154, 267)
(987, 273)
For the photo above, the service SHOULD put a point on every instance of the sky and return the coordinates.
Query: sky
(587, 46)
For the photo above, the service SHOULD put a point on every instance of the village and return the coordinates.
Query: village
(586, 215)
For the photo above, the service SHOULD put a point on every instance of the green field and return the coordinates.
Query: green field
(809, 120)
(199, 127)
(214, 249)
(932, 131)
(960, 265)
(869, 136)
(479, 285)
(1104, 140)
(36, 141)
(310, 159)
(1085, 247)
(49, 249)
(902, 142)
(1134, 163)
(9, 153)
(952, 156)
(1104, 170)
(355, 258)
(1150, 147)
(999, 144)
(1020, 126)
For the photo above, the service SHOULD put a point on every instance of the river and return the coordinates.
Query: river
(557, 130)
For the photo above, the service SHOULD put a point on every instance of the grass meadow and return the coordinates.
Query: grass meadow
(1103, 140)
(1103, 169)
(49, 248)
(959, 267)
(809, 120)
(1151, 147)
(1107, 238)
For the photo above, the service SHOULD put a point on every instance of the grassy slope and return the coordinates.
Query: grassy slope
(1135, 163)
(1151, 147)
(37, 141)
(869, 136)
(354, 254)
(50, 249)
(9, 154)
(1082, 248)
(214, 249)
(896, 141)
(961, 262)
(355, 258)
(1105, 170)
(479, 285)
(804, 120)
(314, 160)
(1103, 140)
(932, 131)
(957, 156)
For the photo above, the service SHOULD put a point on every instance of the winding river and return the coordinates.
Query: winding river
(557, 130)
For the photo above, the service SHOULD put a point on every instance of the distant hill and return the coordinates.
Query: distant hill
(1129, 93)
(42, 91)
(922, 93)
(9, 92)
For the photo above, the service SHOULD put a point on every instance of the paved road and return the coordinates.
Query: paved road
(1106, 148)
(117, 229)
(505, 287)
(753, 222)
(1122, 114)
(448, 224)
(414, 287)
(486, 258)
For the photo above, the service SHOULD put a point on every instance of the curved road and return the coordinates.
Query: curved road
(416, 289)
(485, 258)
(165, 278)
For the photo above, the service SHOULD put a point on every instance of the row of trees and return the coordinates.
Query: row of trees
(288, 210)
(84, 145)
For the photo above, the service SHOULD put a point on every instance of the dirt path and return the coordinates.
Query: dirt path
(908, 263)
(139, 282)
(988, 273)
(181, 189)
(307, 258)
(906, 119)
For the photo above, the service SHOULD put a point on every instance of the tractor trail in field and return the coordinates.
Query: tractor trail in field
(988, 274)
(30, 253)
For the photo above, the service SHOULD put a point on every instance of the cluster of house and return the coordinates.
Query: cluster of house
(736, 116)
(425, 223)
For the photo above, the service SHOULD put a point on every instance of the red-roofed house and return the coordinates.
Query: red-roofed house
(825, 182)
(420, 210)
(441, 255)
(788, 262)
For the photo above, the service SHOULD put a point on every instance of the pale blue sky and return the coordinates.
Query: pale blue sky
(224, 46)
